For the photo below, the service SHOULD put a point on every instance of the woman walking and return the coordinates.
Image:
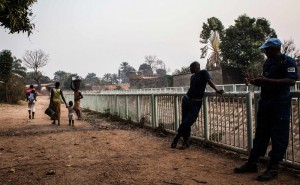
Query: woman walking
(55, 102)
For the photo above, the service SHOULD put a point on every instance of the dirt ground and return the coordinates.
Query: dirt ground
(96, 151)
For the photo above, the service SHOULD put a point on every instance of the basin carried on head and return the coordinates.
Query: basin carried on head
(76, 82)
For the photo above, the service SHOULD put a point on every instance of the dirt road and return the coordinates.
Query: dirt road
(36, 152)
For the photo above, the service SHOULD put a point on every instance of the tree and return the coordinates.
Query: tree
(107, 78)
(67, 81)
(114, 79)
(16, 16)
(63, 77)
(17, 67)
(154, 62)
(60, 76)
(92, 79)
(35, 60)
(289, 48)
(240, 44)
(146, 68)
(183, 70)
(161, 72)
(45, 79)
(30, 78)
(13, 87)
(124, 72)
(6, 62)
(210, 37)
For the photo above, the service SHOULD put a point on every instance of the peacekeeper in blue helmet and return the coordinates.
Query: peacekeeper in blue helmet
(273, 116)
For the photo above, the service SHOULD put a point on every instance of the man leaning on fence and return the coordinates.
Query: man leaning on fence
(192, 102)
(273, 115)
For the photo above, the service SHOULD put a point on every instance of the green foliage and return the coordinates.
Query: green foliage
(16, 15)
(17, 68)
(115, 117)
(213, 24)
(67, 83)
(109, 78)
(60, 76)
(146, 68)
(6, 62)
(240, 44)
(65, 78)
(183, 70)
(31, 75)
(161, 72)
(15, 88)
(124, 72)
(11, 72)
(92, 79)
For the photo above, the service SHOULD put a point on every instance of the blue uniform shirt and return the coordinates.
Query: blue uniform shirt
(283, 67)
(197, 84)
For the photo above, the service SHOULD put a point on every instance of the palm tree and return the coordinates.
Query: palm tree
(17, 67)
(210, 37)
(214, 58)
(124, 65)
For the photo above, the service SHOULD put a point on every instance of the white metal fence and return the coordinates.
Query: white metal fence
(233, 88)
(227, 121)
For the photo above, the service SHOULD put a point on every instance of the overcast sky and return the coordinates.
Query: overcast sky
(84, 36)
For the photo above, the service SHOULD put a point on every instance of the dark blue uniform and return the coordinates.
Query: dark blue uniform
(273, 116)
(192, 103)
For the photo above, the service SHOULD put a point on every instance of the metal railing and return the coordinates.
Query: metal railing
(226, 121)
(227, 87)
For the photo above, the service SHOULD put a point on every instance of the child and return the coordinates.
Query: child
(71, 113)
(31, 98)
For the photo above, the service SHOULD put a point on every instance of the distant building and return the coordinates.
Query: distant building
(110, 87)
(138, 80)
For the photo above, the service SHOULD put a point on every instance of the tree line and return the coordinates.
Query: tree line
(14, 73)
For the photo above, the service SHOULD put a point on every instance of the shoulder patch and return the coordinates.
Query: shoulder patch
(291, 69)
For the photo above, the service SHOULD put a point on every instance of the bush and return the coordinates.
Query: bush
(13, 90)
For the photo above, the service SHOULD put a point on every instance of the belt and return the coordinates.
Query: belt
(193, 99)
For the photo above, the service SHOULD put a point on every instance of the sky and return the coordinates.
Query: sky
(93, 36)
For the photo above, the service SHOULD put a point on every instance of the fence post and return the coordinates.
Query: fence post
(138, 111)
(97, 103)
(176, 110)
(249, 121)
(205, 115)
(234, 87)
(126, 107)
(154, 110)
(116, 105)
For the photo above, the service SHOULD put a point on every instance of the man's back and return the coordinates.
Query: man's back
(197, 84)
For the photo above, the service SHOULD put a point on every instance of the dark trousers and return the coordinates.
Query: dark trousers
(190, 111)
(273, 120)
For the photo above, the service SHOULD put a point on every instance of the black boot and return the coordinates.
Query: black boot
(185, 144)
(32, 115)
(271, 173)
(248, 167)
(175, 141)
